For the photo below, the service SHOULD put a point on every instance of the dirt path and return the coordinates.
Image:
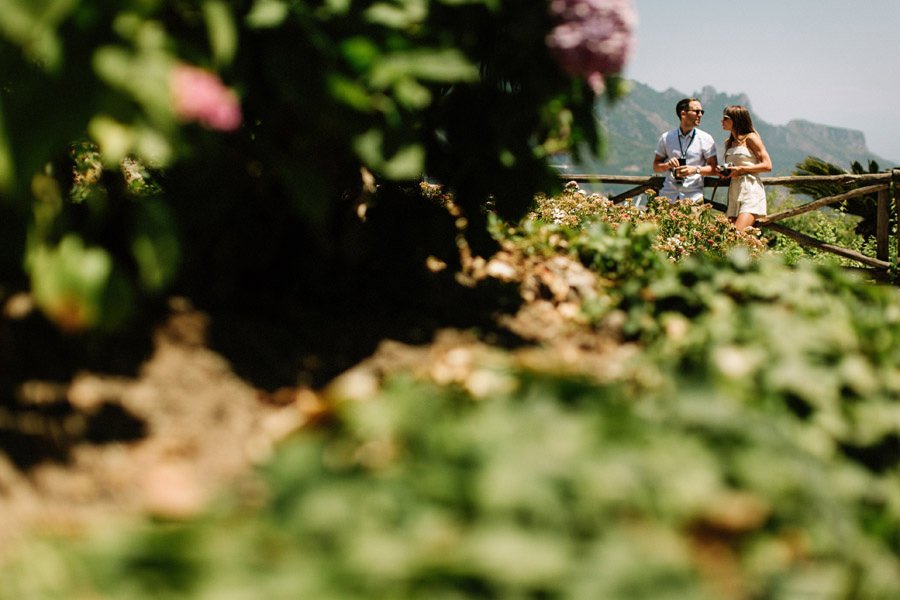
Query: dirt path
(163, 441)
(189, 415)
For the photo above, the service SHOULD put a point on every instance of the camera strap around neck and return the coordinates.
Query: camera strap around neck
(690, 141)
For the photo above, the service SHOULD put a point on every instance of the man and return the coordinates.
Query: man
(684, 180)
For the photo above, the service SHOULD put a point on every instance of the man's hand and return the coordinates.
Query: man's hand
(672, 163)
(686, 171)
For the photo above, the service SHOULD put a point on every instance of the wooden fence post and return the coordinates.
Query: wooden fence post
(882, 224)
(895, 192)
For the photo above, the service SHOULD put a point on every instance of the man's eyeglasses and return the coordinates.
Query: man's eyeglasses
(699, 111)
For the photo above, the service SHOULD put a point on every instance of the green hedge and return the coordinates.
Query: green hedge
(749, 450)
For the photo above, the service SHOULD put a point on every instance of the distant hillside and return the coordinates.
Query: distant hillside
(635, 123)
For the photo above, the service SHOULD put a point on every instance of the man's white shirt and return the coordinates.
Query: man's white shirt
(698, 147)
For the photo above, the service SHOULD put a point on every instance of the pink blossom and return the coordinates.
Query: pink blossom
(200, 96)
(592, 38)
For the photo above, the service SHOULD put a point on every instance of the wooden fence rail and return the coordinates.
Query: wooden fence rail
(886, 185)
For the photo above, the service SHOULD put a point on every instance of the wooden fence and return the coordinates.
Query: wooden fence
(886, 185)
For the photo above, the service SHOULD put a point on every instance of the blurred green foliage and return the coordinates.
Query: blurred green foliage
(749, 450)
(465, 91)
(864, 207)
(827, 225)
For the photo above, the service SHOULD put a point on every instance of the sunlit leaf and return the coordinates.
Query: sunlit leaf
(114, 139)
(117, 67)
(398, 15)
(31, 24)
(153, 147)
(411, 94)
(267, 13)
(440, 65)
(223, 35)
(350, 92)
(70, 281)
(338, 7)
(7, 164)
(407, 162)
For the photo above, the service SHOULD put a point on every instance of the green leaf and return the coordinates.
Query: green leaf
(118, 67)
(152, 147)
(7, 163)
(115, 139)
(438, 65)
(360, 52)
(407, 14)
(266, 14)
(338, 7)
(70, 282)
(411, 94)
(223, 36)
(349, 92)
(407, 162)
(32, 24)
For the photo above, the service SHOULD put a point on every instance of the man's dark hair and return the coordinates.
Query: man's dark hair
(683, 105)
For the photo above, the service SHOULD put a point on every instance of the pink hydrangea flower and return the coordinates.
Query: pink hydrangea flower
(593, 38)
(200, 96)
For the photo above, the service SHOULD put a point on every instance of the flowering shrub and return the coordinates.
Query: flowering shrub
(198, 95)
(311, 94)
(594, 38)
(682, 229)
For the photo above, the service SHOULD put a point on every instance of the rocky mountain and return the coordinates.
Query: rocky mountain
(634, 124)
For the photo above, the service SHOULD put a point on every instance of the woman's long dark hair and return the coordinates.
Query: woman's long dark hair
(741, 123)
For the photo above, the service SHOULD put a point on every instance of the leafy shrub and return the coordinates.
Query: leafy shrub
(864, 207)
(850, 224)
(748, 451)
(681, 229)
(559, 488)
(829, 226)
(101, 244)
(266, 118)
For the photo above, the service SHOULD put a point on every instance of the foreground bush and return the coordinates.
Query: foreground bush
(748, 450)
(268, 121)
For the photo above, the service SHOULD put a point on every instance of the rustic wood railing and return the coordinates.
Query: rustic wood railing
(886, 185)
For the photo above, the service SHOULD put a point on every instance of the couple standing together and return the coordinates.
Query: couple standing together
(688, 154)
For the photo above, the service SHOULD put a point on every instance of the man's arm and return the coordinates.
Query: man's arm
(661, 163)
(661, 159)
(712, 164)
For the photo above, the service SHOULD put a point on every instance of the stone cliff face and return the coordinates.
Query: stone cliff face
(831, 139)
(635, 123)
(791, 143)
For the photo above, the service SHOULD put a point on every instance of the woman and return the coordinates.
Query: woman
(746, 156)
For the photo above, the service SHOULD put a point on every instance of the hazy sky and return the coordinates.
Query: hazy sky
(830, 62)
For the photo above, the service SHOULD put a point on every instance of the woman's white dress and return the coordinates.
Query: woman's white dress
(746, 193)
